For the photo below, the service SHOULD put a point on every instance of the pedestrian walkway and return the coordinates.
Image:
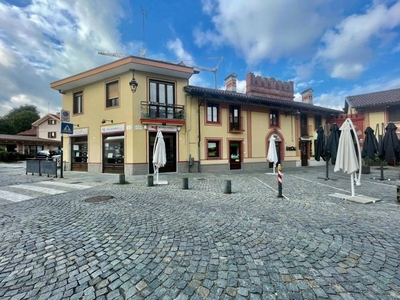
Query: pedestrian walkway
(22, 192)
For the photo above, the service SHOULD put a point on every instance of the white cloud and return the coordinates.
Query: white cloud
(176, 46)
(49, 40)
(347, 48)
(265, 30)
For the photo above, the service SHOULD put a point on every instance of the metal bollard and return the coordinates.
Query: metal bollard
(185, 183)
(280, 181)
(228, 187)
(150, 180)
(122, 178)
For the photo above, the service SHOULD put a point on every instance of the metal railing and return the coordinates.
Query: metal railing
(155, 110)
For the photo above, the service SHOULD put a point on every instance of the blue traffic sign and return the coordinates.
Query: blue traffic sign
(67, 128)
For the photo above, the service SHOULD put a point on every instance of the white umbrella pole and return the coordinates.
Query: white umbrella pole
(352, 184)
(273, 169)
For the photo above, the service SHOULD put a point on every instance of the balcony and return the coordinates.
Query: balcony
(154, 112)
(236, 125)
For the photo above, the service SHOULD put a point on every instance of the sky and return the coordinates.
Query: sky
(338, 48)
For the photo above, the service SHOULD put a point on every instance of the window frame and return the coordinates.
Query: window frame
(164, 99)
(52, 134)
(274, 112)
(213, 105)
(112, 102)
(51, 122)
(231, 118)
(77, 108)
(218, 150)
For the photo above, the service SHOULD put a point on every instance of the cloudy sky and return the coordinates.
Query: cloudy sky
(337, 47)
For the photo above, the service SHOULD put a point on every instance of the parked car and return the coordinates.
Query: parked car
(54, 155)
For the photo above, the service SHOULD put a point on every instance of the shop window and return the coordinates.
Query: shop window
(78, 103)
(212, 112)
(213, 149)
(273, 117)
(112, 99)
(113, 150)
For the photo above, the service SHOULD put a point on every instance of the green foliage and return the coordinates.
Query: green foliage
(8, 156)
(6, 127)
(19, 119)
(369, 161)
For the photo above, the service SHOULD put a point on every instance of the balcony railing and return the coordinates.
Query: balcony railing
(236, 124)
(155, 110)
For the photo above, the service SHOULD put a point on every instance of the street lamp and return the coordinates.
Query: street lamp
(133, 83)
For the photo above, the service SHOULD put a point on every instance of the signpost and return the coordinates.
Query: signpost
(67, 128)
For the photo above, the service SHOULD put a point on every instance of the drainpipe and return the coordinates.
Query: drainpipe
(199, 134)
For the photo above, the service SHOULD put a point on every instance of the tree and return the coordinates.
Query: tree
(6, 127)
(19, 119)
(23, 120)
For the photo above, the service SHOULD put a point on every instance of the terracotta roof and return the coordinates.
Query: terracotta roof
(235, 96)
(374, 99)
(30, 132)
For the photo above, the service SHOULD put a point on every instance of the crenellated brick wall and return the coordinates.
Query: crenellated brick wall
(269, 87)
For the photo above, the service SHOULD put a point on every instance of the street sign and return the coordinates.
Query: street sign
(65, 115)
(67, 128)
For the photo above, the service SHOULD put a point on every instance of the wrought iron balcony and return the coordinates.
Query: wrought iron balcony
(155, 110)
(236, 125)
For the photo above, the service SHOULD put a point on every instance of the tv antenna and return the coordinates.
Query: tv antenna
(213, 70)
(143, 51)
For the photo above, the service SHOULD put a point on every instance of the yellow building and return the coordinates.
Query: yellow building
(116, 110)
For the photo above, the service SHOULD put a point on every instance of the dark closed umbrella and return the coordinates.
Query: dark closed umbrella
(370, 148)
(332, 144)
(320, 146)
(390, 147)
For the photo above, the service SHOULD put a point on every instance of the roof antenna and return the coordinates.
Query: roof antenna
(143, 51)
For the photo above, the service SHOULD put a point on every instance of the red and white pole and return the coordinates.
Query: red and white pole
(280, 181)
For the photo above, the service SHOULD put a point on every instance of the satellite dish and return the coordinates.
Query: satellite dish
(143, 52)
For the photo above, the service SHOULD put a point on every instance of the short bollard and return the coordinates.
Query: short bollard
(398, 193)
(121, 178)
(228, 187)
(185, 183)
(280, 181)
(150, 180)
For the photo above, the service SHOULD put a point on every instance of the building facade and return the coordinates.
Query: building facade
(204, 129)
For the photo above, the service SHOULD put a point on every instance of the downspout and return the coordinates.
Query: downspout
(199, 134)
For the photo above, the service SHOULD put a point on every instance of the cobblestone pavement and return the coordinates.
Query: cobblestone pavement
(164, 242)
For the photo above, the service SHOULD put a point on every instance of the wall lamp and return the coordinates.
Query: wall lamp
(178, 128)
(133, 83)
(104, 120)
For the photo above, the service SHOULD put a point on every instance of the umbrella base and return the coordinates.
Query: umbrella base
(160, 182)
(359, 199)
(382, 179)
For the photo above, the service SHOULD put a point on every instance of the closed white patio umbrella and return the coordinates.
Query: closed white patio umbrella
(272, 155)
(346, 159)
(159, 154)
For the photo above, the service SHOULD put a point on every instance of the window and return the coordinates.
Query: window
(317, 121)
(273, 118)
(394, 113)
(51, 122)
(162, 95)
(78, 103)
(112, 94)
(212, 112)
(213, 149)
(234, 118)
(52, 135)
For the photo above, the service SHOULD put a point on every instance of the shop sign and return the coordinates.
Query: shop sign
(167, 128)
(82, 131)
(112, 128)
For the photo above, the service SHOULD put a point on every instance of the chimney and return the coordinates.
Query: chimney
(230, 82)
(58, 114)
(307, 96)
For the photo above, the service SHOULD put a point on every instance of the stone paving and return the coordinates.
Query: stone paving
(164, 242)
